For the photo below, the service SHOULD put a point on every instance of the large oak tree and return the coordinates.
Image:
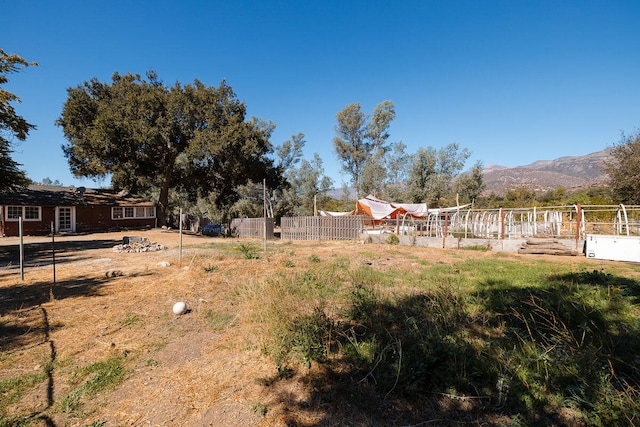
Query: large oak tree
(12, 125)
(148, 136)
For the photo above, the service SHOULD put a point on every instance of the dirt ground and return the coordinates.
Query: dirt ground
(182, 370)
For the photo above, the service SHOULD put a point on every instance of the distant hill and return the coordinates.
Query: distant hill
(571, 172)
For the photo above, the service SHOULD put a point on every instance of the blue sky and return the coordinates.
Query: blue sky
(513, 81)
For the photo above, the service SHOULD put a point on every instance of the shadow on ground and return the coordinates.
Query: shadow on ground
(42, 254)
(17, 300)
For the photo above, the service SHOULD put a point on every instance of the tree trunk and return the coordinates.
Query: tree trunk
(163, 200)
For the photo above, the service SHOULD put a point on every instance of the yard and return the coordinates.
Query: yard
(102, 347)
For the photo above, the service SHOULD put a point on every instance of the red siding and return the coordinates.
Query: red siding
(88, 218)
(98, 218)
(31, 228)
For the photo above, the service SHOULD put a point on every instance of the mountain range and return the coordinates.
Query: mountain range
(571, 172)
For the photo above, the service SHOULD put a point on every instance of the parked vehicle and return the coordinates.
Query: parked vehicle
(212, 229)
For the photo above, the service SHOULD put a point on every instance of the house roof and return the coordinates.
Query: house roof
(49, 195)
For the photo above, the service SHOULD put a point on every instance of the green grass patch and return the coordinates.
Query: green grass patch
(91, 380)
(534, 343)
(12, 389)
(216, 321)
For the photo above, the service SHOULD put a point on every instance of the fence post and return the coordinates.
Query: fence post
(446, 229)
(578, 225)
(21, 249)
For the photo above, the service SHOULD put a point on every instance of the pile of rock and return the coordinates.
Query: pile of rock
(136, 244)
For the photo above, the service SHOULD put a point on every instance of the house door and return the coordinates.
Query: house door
(65, 218)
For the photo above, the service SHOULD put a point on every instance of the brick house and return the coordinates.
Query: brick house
(74, 210)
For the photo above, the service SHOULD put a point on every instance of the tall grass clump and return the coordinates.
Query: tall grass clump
(292, 315)
(248, 250)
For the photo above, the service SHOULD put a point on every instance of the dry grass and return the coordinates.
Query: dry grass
(206, 367)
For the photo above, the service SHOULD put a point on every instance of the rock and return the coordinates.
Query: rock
(164, 264)
(132, 240)
(113, 273)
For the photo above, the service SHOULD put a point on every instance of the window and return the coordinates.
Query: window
(14, 212)
(28, 213)
(120, 212)
(32, 212)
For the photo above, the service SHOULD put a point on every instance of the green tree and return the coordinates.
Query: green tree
(305, 182)
(432, 172)
(519, 197)
(469, 186)
(360, 138)
(624, 169)
(150, 137)
(12, 126)
(421, 171)
(374, 175)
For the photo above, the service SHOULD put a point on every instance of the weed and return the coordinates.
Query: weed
(289, 264)
(260, 409)
(285, 372)
(129, 319)
(248, 250)
(393, 239)
(310, 336)
(210, 269)
(314, 258)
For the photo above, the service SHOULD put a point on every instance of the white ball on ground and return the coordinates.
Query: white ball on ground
(179, 308)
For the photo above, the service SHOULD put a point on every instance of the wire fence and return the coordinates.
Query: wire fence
(574, 221)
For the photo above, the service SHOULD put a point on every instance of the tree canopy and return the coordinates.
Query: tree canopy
(624, 169)
(12, 126)
(432, 172)
(150, 137)
(361, 139)
(305, 179)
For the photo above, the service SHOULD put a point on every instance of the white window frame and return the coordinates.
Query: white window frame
(133, 212)
(22, 213)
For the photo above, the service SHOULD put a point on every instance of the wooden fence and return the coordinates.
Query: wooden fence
(252, 228)
(322, 227)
